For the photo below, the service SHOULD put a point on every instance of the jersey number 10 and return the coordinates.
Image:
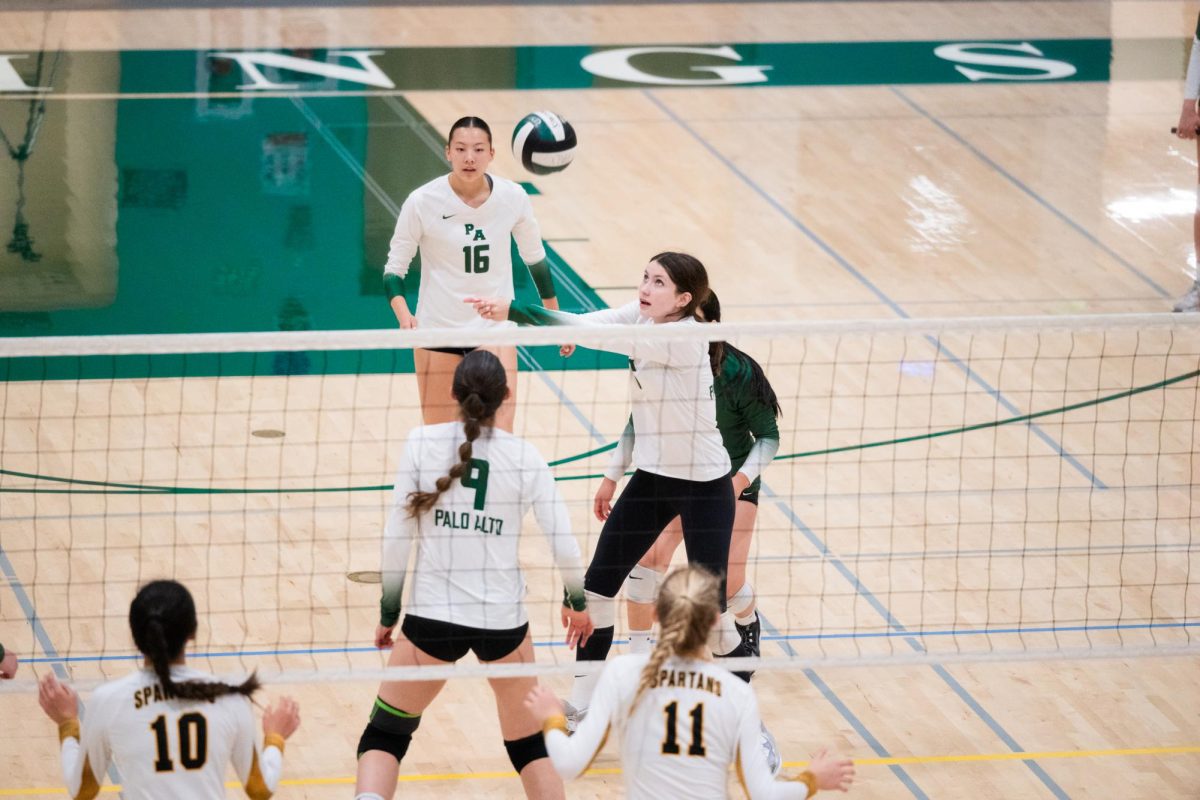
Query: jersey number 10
(193, 742)
(670, 745)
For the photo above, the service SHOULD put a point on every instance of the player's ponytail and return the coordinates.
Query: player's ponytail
(480, 386)
(162, 618)
(760, 387)
(688, 604)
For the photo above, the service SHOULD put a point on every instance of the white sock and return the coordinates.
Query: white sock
(724, 638)
(582, 689)
(742, 605)
(639, 641)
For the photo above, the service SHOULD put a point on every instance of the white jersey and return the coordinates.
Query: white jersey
(467, 569)
(165, 747)
(680, 739)
(671, 389)
(464, 251)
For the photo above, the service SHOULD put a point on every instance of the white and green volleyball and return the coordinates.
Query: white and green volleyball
(544, 142)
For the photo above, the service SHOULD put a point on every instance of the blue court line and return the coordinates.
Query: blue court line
(57, 662)
(773, 636)
(844, 710)
(846, 265)
(908, 636)
(1012, 409)
(1037, 198)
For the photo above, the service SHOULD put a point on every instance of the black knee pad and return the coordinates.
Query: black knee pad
(523, 751)
(389, 730)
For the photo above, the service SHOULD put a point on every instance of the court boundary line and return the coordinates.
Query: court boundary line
(1020, 185)
(843, 262)
(882, 761)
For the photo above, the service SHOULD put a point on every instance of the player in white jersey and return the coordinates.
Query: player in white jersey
(682, 720)
(462, 223)
(682, 466)
(462, 490)
(173, 731)
(1189, 128)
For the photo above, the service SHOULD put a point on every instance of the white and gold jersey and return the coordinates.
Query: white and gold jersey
(464, 251)
(166, 747)
(467, 569)
(680, 739)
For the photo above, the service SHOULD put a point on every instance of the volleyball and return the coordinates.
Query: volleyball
(544, 142)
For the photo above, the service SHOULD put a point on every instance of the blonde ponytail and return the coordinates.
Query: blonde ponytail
(689, 602)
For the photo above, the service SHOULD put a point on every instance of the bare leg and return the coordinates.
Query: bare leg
(377, 770)
(739, 549)
(538, 777)
(508, 409)
(435, 377)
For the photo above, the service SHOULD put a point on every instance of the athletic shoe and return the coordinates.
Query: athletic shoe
(750, 636)
(1190, 301)
(770, 751)
(574, 716)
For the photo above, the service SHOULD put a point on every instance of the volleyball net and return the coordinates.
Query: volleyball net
(993, 489)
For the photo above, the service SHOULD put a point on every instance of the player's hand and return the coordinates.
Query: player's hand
(1189, 120)
(8, 666)
(602, 505)
(408, 323)
(740, 484)
(579, 626)
(58, 701)
(493, 308)
(542, 704)
(567, 350)
(282, 718)
(383, 636)
(833, 772)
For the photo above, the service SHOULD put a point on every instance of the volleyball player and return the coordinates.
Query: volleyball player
(461, 492)
(1188, 128)
(747, 410)
(8, 663)
(171, 730)
(682, 719)
(682, 467)
(462, 223)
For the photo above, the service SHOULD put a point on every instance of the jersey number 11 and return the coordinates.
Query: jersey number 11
(670, 745)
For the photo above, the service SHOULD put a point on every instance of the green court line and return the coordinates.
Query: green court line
(134, 488)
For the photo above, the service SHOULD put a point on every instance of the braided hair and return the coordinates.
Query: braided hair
(480, 386)
(688, 604)
(162, 618)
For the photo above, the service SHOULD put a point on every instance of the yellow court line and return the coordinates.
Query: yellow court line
(861, 762)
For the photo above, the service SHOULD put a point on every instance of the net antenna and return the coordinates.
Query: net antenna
(21, 242)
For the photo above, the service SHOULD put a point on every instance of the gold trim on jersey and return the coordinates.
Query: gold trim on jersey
(68, 729)
(556, 723)
(89, 787)
(808, 779)
(273, 740)
(256, 786)
(603, 741)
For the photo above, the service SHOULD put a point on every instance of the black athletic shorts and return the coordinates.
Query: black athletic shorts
(449, 642)
(461, 352)
(750, 493)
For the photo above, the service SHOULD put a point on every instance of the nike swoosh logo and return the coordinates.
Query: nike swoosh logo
(447, 216)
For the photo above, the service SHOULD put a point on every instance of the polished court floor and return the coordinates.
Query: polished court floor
(170, 190)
